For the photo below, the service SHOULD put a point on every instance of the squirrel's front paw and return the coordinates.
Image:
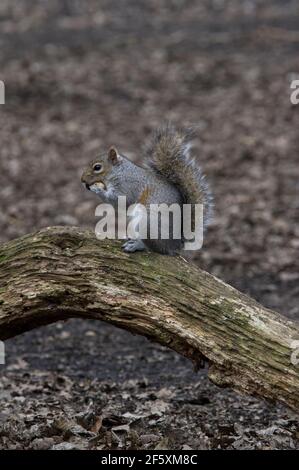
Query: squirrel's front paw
(133, 245)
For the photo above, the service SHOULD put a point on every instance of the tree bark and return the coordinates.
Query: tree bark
(61, 272)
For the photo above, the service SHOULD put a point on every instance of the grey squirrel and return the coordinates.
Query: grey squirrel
(168, 176)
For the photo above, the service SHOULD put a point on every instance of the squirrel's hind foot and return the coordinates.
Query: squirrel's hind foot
(133, 245)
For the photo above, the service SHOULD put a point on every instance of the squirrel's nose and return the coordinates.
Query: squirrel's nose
(87, 186)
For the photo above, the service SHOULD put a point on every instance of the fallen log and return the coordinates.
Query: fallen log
(61, 272)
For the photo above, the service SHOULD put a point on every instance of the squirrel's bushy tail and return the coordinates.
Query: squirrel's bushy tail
(168, 155)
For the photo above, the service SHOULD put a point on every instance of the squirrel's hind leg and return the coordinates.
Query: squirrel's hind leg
(133, 245)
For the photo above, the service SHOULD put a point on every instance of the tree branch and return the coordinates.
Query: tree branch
(61, 272)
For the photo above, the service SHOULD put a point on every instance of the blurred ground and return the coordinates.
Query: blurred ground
(80, 77)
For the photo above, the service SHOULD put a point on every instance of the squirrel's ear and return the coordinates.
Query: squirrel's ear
(113, 156)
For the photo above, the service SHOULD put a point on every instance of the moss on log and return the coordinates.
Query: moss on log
(61, 272)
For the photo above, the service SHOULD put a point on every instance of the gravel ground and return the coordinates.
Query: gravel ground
(80, 77)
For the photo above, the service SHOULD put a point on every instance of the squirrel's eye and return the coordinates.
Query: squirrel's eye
(97, 167)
